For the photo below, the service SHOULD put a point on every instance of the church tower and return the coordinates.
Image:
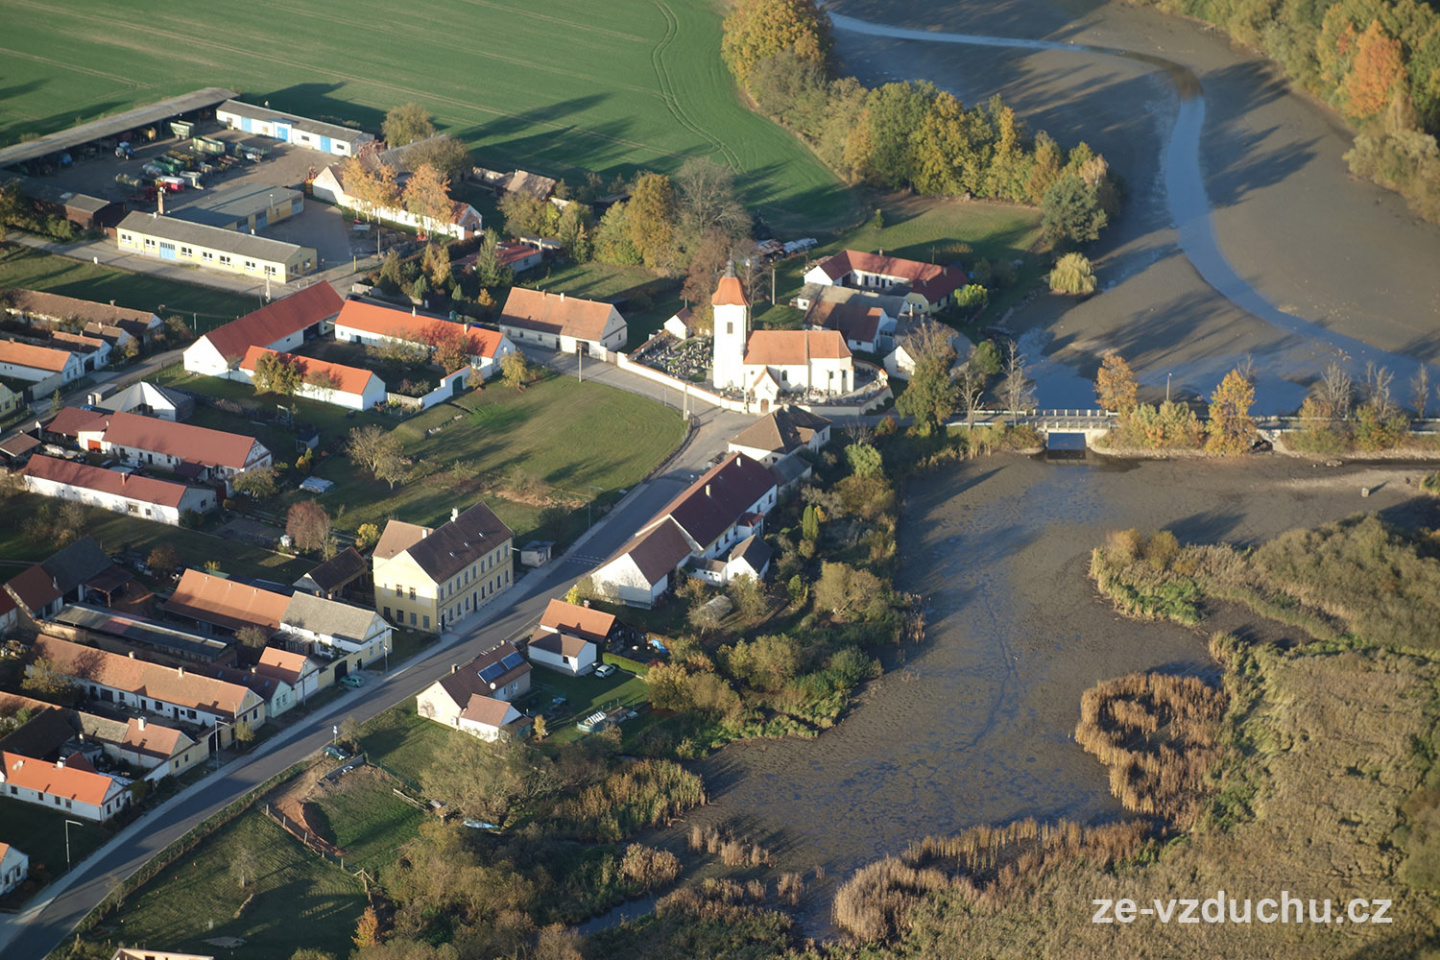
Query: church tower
(732, 329)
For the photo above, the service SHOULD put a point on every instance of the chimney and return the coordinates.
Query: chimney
(132, 654)
(707, 489)
(454, 667)
(454, 514)
(179, 671)
(160, 201)
(112, 303)
(60, 764)
(562, 296)
(140, 723)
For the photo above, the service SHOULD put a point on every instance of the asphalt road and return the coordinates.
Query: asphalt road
(32, 934)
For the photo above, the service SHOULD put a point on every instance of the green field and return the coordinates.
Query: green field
(568, 87)
(26, 269)
(299, 899)
(365, 819)
(404, 743)
(40, 833)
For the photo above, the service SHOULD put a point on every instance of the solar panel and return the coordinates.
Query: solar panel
(491, 672)
(511, 660)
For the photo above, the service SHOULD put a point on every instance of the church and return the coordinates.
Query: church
(767, 363)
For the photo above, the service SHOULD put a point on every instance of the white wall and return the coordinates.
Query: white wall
(576, 666)
(199, 502)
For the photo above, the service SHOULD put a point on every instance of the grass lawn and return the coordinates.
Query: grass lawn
(32, 270)
(117, 532)
(40, 833)
(300, 900)
(364, 818)
(628, 85)
(584, 696)
(403, 742)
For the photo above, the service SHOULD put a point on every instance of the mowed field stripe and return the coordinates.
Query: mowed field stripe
(583, 27)
(365, 81)
(124, 81)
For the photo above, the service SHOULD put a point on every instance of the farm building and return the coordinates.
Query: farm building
(228, 604)
(288, 128)
(83, 210)
(295, 670)
(52, 309)
(929, 286)
(120, 632)
(345, 636)
(198, 453)
(782, 434)
(374, 325)
(170, 692)
(866, 326)
(427, 579)
(566, 324)
(463, 223)
(344, 574)
(245, 207)
(44, 368)
(476, 697)
(167, 238)
(348, 387)
(14, 868)
(282, 325)
(148, 399)
(158, 500)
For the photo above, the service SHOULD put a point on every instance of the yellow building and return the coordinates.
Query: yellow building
(166, 238)
(428, 579)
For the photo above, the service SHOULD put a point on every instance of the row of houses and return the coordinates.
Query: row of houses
(463, 222)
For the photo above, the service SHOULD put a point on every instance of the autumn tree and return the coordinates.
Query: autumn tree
(277, 373)
(931, 395)
(707, 202)
(444, 153)
(257, 482)
(1231, 430)
(613, 242)
(1017, 387)
(377, 451)
(367, 929)
(1070, 212)
(756, 29)
(527, 215)
(372, 189)
(366, 536)
(163, 558)
(435, 264)
(427, 196)
(847, 593)
(252, 637)
(45, 682)
(651, 215)
(515, 370)
(308, 525)
(406, 124)
(1073, 275)
(1377, 68)
(1115, 385)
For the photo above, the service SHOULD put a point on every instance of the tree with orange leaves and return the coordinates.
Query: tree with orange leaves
(1377, 67)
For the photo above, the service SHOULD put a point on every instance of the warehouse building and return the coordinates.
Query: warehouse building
(245, 207)
(301, 131)
(166, 238)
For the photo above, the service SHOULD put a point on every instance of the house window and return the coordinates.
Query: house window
(206, 255)
(399, 590)
(187, 252)
(149, 242)
(250, 265)
(269, 270)
(729, 326)
(427, 623)
(387, 613)
(412, 593)
(412, 618)
(224, 260)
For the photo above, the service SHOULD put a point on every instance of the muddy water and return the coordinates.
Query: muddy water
(1300, 346)
(974, 727)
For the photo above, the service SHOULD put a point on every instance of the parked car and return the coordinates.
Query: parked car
(354, 681)
(605, 669)
(337, 752)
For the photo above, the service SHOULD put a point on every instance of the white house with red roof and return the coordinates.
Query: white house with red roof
(765, 364)
(569, 637)
(69, 785)
(14, 868)
(566, 324)
(348, 387)
(45, 368)
(929, 286)
(477, 697)
(374, 324)
(197, 453)
(282, 325)
(463, 223)
(135, 496)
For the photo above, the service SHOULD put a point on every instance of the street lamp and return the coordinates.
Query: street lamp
(218, 724)
(67, 841)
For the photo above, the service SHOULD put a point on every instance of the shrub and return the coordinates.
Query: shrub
(1073, 275)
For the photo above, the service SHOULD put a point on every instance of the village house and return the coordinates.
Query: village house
(157, 749)
(117, 491)
(561, 323)
(76, 572)
(900, 362)
(69, 784)
(9, 614)
(682, 325)
(195, 453)
(282, 326)
(928, 286)
(43, 368)
(427, 579)
(297, 671)
(767, 363)
(215, 248)
(147, 399)
(569, 638)
(782, 434)
(342, 636)
(349, 387)
(463, 223)
(169, 692)
(318, 135)
(375, 325)
(53, 310)
(229, 605)
(9, 400)
(706, 525)
(866, 327)
(14, 867)
(345, 576)
(476, 697)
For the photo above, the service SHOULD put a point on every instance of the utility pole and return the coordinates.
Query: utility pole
(772, 283)
(580, 358)
(1167, 388)
(67, 841)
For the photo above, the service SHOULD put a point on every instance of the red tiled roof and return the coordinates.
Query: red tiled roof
(282, 665)
(729, 293)
(69, 781)
(154, 739)
(855, 319)
(145, 489)
(346, 379)
(930, 280)
(71, 420)
(169, 684)
(560, 644)
(486, 711)
(276, 321)
(386, 321)
(37, 358)
(794, 348)
(509, 253)
(34, 588)
(721, 496)
(53, 305)
(556, 314)
(226, 603)
(658, 551)
(180, 440)
(581, 621)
